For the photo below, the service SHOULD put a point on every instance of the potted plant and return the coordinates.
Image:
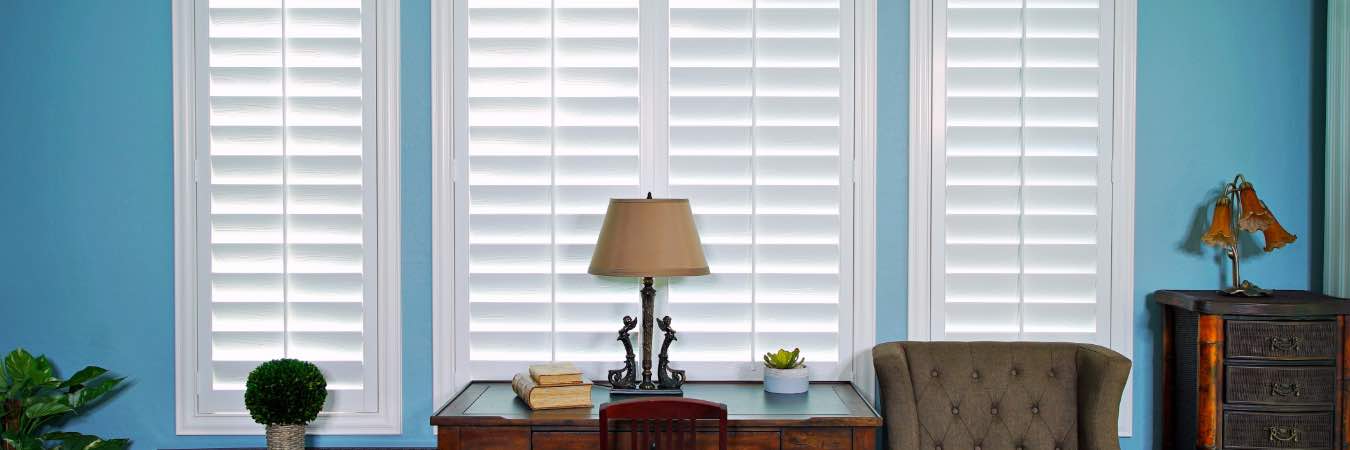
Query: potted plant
(785, 372)
(36, 399)
(285, 395)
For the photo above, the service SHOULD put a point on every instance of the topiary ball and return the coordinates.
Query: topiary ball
(285, 392)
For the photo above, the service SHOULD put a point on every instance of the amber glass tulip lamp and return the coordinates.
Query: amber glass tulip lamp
(648, 238)
(1238, 208)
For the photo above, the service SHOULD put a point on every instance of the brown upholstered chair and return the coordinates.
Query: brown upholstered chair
(1000, 395)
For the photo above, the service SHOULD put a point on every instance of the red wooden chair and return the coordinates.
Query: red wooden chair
(662, 423)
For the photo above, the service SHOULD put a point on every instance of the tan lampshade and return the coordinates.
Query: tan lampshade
(648, 238)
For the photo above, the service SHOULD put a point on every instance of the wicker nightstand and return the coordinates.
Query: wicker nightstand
(1254, 373)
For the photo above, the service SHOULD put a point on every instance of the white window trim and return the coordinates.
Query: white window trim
(389, 418)
(447, 381)
(1336, 255)
(1122, 167)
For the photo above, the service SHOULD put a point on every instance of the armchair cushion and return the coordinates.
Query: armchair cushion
(999, 395)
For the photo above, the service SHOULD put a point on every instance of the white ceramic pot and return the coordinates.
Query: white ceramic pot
(786, 381)
(285, 437)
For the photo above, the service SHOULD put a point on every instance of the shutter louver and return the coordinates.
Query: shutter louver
(755, 123)
(287, 198)
(1024, 162)
(553, 131)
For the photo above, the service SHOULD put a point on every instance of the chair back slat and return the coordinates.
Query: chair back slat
(660, 423)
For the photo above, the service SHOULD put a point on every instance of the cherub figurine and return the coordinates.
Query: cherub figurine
(626, 378)
(676, 377)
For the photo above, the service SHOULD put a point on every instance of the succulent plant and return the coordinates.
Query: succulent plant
(784, 359)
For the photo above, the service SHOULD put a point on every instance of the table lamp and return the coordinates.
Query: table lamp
(647, 238)
(1252, 215)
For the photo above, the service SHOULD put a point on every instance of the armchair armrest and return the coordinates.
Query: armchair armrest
(897, 395)
(1101, 380)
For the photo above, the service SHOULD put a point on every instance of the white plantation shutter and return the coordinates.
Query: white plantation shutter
(739, 105)
(552, 133)
(756, 144)
(286, 196)
(1021, 170)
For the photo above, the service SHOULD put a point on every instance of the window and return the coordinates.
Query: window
(1022, 171)
(552, 107)
(286, 200)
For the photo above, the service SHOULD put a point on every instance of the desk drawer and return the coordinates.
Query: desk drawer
(707, 440)
(1292, 340)
(1278, 430)
(1281, 385)
(814, 438)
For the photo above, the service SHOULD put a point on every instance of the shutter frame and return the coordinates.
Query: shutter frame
(192, 80)
(926, 284)
(842, 170)
(1009, 143)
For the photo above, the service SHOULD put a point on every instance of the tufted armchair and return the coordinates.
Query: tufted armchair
(1000, 395)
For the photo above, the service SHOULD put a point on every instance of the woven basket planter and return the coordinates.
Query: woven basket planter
(285, 437)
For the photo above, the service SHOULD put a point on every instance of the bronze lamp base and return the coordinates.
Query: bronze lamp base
(1246, 289)
(625, 381)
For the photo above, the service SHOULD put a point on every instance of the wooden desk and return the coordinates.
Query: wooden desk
(832, 415)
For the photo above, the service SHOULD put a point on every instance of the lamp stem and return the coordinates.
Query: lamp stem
(648, 299)
(1233, 249)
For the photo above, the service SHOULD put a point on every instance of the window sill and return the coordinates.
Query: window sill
(335, 424)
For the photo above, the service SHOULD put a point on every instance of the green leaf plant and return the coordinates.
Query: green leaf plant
(285, 392)
(35, 399)
(784, 359)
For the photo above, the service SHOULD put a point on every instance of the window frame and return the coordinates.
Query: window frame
(921, 153)
(188, 99)
(450, 354)
(1336, 248)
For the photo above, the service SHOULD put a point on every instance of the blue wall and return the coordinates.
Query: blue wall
(1223, 87)
(85, 170)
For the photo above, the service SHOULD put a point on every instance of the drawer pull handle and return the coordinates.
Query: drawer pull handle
(1283, 434)
(1285, 389)
(1286, 344)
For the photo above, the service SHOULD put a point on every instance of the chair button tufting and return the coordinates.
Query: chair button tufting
(977, 447)
(937, 447)
(993, 411)
(1013, 372)
(956, 410)
(1052, 373)
(975, 375)
(1035, 410)
(1020, 448)
(933, 374)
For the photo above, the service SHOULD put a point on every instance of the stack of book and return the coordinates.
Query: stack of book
(553, 386)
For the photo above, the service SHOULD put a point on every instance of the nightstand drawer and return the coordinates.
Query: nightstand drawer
(1278, 430)
(1292, 340)
(1281, 385)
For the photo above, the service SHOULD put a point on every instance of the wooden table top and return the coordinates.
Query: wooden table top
(1279, 304)
(835, 404)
